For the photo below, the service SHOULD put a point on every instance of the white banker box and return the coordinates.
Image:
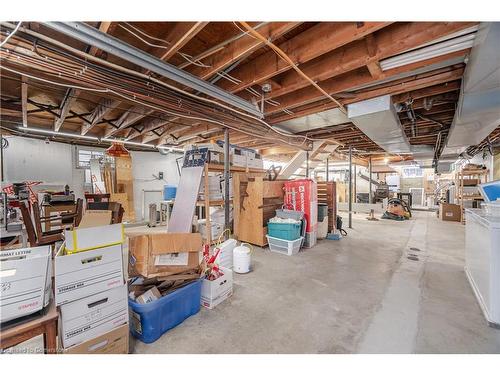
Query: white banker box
(88, 272)
(215, 291)
(81, 239)
(25, 281)
(93, 316)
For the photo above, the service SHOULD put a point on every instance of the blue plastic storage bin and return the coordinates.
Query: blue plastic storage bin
(151, 320)
(284, 231)
(169, 192)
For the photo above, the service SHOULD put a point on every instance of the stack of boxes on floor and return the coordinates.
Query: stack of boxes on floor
(90, 291)
(296, 225)
(167, 281)
(302, 195)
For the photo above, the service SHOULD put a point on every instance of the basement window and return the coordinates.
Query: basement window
(84, 156)
(412, 172)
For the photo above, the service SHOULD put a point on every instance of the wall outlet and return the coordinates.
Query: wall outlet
(160, 175)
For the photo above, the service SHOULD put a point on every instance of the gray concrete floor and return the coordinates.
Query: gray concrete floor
(358, 295)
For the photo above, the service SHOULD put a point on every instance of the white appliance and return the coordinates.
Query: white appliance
(482, 261)
(417, 196)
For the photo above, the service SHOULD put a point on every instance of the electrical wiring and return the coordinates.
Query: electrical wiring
(220, 46)
(184, 55)
(190, 59)
(143, 40)
(11, 34)
(201, 103)
(147, 105)
(145, 34)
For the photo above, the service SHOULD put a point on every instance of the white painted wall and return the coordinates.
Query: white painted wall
(55, 163)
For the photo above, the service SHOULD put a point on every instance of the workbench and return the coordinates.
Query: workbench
(45, 325)
(16, 233)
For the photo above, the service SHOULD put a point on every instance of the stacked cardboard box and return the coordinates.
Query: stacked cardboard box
(90, 291)
(214, 187)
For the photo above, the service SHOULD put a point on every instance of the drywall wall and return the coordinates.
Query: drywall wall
(54, 163)
(144, 166)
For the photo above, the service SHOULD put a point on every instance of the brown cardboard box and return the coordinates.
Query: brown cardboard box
(112, 342)
(149, 296)
(163, 254)
(95, 218)
(450, 212)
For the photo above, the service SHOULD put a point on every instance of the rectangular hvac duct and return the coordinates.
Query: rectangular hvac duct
(478, 112)
(378, 119)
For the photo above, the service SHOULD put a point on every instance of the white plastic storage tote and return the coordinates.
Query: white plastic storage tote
(277, 245)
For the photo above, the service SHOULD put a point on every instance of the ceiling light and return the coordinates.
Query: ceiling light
(427, 52)
(62, 134)
(95, 139)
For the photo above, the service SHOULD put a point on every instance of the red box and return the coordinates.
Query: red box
(302, 195)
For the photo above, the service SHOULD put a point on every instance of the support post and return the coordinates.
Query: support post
(226, 181)
(370, 195)
(350, 186)
(354, 182)
(307, 164)
(327, 175)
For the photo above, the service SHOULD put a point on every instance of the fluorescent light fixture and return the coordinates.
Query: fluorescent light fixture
(428, 52)
(95, 139)
(51, 132)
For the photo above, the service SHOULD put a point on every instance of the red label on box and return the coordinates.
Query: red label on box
(302, 195)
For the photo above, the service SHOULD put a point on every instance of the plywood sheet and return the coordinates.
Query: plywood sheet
(125, 184)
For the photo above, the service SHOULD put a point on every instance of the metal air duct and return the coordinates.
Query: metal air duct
(378, 119)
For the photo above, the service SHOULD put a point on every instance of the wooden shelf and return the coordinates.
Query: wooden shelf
(474, 172)
(220, 168)
(215, 202)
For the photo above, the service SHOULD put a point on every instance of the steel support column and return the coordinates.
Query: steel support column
(327, 175)
(307, 164)
(370, 195)
(226, 181)
(350, 186)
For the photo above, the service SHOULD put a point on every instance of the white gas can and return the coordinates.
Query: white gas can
(242, 257)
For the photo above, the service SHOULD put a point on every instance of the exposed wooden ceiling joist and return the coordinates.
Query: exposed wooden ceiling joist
(314, 42)
(391, 41)
(180, 35)
(68, 100)
(128, 118)
(391, 90)
(240, 48)
(105, 106)
(24, 100)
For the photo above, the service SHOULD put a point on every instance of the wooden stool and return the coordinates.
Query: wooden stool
(46, 325)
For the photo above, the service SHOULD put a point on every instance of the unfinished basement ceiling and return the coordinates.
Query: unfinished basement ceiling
(351, 61)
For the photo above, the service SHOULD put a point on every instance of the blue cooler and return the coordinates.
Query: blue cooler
(149, 321)
(169, 192)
